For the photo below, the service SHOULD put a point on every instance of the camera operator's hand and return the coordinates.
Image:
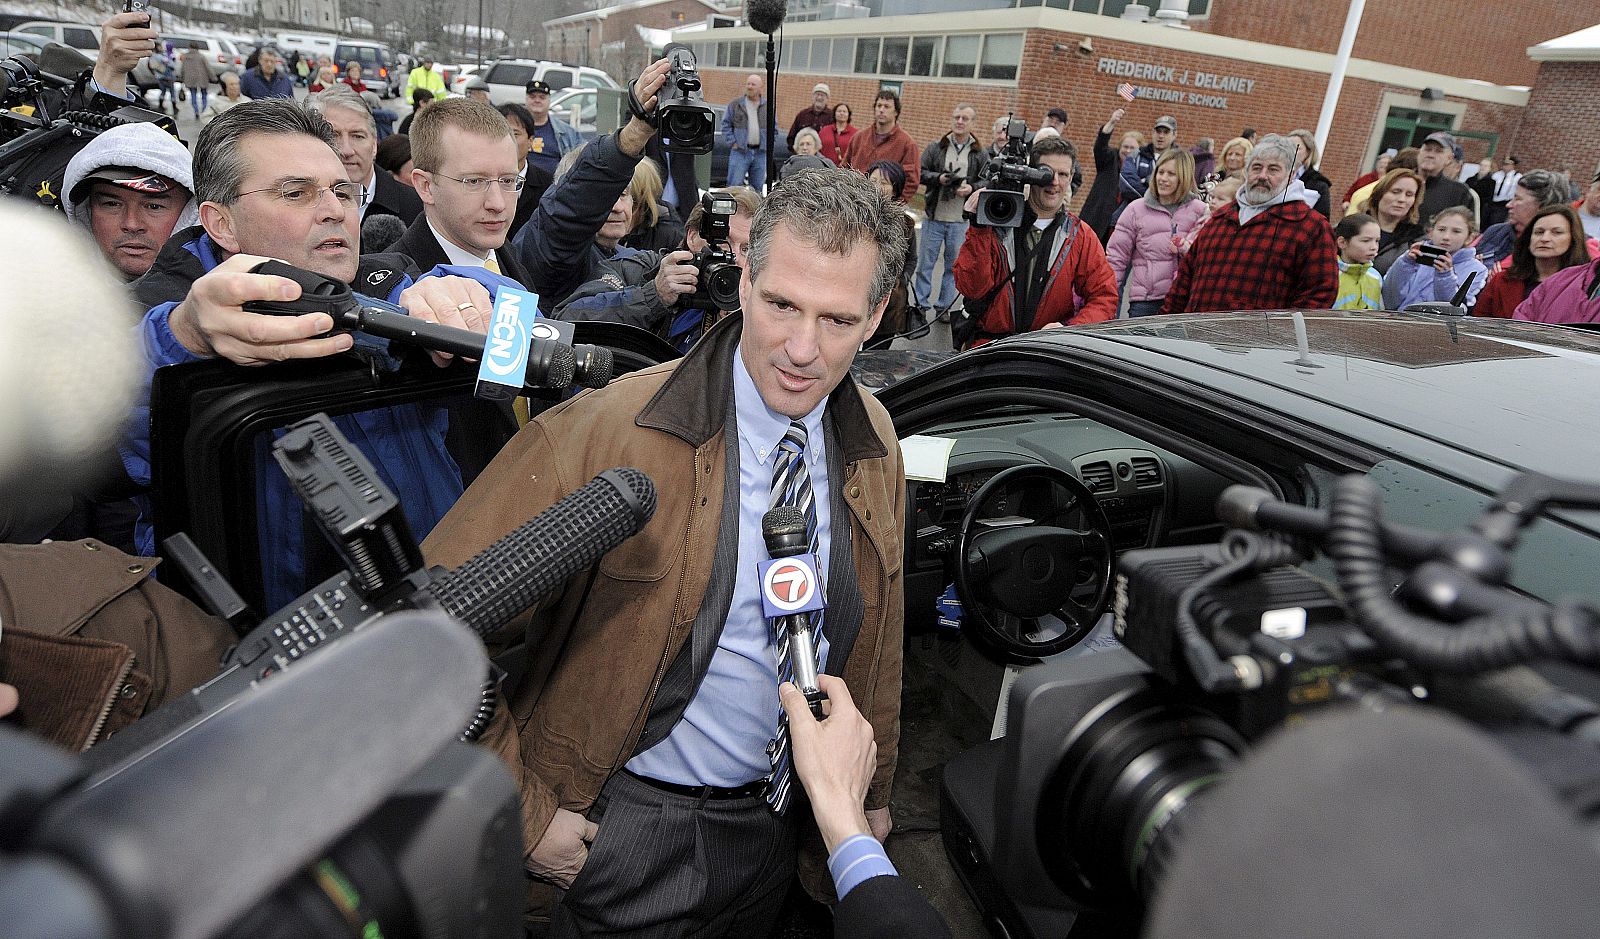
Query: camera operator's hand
(835, 759)
(211, 321)
(449, 301)
(677, 277)
(124, 40)
(963, 190)
(563, 850)
(636, 133)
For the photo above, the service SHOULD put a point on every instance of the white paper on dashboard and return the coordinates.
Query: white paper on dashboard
(927, 458)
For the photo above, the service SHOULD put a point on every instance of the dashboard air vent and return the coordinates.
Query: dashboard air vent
(1146, 472)
(1097, 476)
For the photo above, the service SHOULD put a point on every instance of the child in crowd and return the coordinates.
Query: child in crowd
(1412, 281)
(1360, 287)
(1220, 194)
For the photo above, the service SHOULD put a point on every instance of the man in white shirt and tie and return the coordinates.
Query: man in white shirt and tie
(1505, 186)
(465, 172)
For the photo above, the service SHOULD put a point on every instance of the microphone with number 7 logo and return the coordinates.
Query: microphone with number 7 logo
(791, 587)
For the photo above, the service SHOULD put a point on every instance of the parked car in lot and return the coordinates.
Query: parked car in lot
(81, 36)
(508, 78)
(28, 44)
(378, 70)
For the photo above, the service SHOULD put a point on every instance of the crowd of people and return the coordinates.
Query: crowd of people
(1180, 229)
(611, 723)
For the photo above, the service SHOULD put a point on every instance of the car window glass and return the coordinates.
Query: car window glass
(508, 73)
(39, 30)
(558, 78)
(1552, 560)
(81, 39)
(586, 80)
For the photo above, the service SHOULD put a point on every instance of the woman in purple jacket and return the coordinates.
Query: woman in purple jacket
(1147, 243)
(1571, 295)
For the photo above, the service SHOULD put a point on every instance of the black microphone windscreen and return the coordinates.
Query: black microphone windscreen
(783, 527)
(380, 232)
(62, 61)
(1405, 823)
(597, 366)
(765, 16)
(535, 559)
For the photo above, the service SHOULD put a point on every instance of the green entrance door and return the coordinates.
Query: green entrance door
(1408, 127)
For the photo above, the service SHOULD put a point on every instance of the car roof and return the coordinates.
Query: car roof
(1517, 393)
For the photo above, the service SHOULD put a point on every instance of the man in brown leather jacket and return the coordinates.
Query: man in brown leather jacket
(92, 642)
(650, 691)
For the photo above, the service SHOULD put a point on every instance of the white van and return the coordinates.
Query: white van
(80, 36)
(315, 45)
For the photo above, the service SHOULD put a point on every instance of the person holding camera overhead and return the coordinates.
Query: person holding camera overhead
(951, 168)
(1058, 260)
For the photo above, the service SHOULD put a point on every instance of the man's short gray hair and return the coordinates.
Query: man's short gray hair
(218, 166)
(833, 211)
(1275, 147)
(341, 96)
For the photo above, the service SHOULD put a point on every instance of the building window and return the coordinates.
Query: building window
(1001, 56)
(960, 57)
(867, 55)
(844, 51)
(922, 50)
(821, 49)
(1197, 8)
(896, 49)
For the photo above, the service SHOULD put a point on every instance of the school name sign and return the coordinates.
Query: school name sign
(1201, 89)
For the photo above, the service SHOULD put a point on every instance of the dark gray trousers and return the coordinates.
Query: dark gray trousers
(672, 866)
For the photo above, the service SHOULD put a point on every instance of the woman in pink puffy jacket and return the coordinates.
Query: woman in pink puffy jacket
(1148, 241)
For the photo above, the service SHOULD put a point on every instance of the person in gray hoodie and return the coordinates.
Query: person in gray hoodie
(131, 186)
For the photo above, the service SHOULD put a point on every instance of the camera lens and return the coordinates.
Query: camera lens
(1129, 773)
(722, 285)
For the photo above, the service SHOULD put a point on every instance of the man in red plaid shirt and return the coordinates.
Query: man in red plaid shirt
(1269, 250)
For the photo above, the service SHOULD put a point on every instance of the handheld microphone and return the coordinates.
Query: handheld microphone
(551, 364)
(791, 586)
(765, 16)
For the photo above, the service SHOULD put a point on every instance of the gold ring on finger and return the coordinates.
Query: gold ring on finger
(463, 307)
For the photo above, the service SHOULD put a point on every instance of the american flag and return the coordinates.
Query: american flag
(1127, 91)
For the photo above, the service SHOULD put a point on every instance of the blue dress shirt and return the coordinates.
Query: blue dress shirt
(721, 740)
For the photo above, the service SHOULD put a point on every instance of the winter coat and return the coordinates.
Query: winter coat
(1282, 259)
(1141, 246)
(933, 157)
(195, 73)
(734, 118)
(1102, 198)
(1405, 234)
(1502, 295)
(1409, 282)
(1133, 181)
(836, 142)
(255, 86)
(1360, 287)
(898, 147)
(986, 262)
(1319, 184)
(1563, 297)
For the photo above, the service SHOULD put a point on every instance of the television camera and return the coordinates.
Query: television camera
(1108, 752)
(686, 123)
(1001, 202)
(45, 119)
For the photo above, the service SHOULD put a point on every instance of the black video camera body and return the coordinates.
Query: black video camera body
(1001, 202)
(718, 285)
(687, 125)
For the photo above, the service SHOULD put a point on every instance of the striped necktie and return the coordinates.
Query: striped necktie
(490, 264)
(791, 485)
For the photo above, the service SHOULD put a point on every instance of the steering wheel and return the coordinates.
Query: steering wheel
(1033, 562)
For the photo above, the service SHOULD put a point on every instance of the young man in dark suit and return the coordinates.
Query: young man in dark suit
(465, 173)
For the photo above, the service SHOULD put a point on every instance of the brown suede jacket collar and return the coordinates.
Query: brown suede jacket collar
(694, 401)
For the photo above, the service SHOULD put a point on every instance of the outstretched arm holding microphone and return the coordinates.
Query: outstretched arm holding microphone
(835, 758)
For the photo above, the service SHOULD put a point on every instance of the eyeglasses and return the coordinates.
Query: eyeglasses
(481, 183)
(305, 194)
